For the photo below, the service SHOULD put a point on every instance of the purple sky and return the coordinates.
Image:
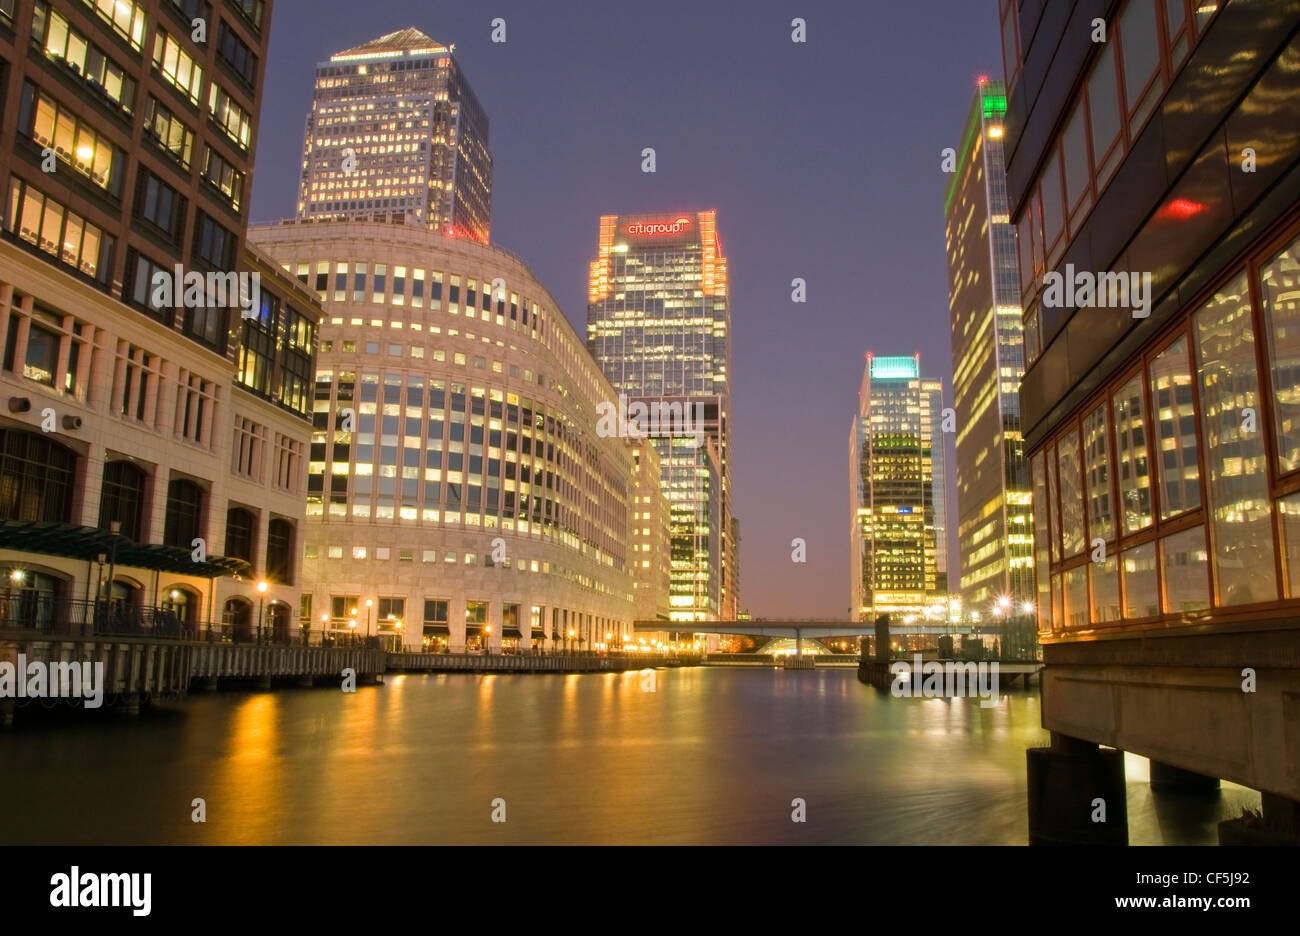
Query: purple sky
(822, 160)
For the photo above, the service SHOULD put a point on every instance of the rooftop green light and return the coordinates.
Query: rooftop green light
(893, 368)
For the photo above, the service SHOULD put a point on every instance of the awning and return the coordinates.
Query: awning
(89, 543)
(437, 629)
(511, 632)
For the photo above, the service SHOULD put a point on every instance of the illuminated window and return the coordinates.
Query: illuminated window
(177, 66)
(74, 141)
(52, 228)
(1241, 514)
(1174, 431)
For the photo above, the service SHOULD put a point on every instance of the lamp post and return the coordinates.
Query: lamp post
(398, 647)
(261, 600)
(487, 638)
(570, 641)
(369, 605)
(114, 527)
(352, 625)
(324, 628)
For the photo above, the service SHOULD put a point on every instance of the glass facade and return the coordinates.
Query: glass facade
(395, 133)
(995, 541)
(892, 488)
(659, 326)
(1221, 512)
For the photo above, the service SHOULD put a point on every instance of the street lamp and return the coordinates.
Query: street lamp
(487, 638)
(324, 628)
(369, 604)
(261, 599)
(352, 625)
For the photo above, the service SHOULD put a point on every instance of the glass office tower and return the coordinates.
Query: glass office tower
(396, 134)
(994, 527)
(896, 490)
(659, 325)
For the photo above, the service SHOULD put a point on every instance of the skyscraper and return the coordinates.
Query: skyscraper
(659, 326)
(396, 134)
(994, 531)
(896, 490)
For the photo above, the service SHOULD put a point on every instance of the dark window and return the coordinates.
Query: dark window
(160, 205)
(122, 499)
(213, 243)
(224, 177)
(170, 133)
(184, 513)
(140, 288)
(239, 534)
(36, 477)
(236, 54)
(42, 355)
(252, 11)
(279, 550)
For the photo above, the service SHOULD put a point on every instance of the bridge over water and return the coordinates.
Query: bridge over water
(802, 628)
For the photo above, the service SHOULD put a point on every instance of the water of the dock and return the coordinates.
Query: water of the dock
(696, 755)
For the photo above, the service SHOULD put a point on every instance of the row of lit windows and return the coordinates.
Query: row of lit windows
(1181, 450)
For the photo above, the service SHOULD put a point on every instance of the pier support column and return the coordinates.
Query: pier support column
(1072, 785)
(306, 682)
(209, 684)
(1168, 779)
(263, 682)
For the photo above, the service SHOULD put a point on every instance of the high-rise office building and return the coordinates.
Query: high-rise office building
(896, 491)
(659, 325)
(651, 535)
(459, 493)
(1154, 180)
(163, 431)
(994, 532)
(396, 134)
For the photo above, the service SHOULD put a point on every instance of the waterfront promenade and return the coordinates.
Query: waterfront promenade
(144, 667)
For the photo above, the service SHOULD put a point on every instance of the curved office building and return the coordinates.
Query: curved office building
(457, 491)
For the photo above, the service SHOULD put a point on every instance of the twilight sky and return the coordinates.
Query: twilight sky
(822, 160)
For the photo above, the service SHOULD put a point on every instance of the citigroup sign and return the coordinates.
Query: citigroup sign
(658, 227)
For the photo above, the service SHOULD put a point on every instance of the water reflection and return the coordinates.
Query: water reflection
(708, 756)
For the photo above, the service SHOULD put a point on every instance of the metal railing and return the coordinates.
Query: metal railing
(47, 614)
